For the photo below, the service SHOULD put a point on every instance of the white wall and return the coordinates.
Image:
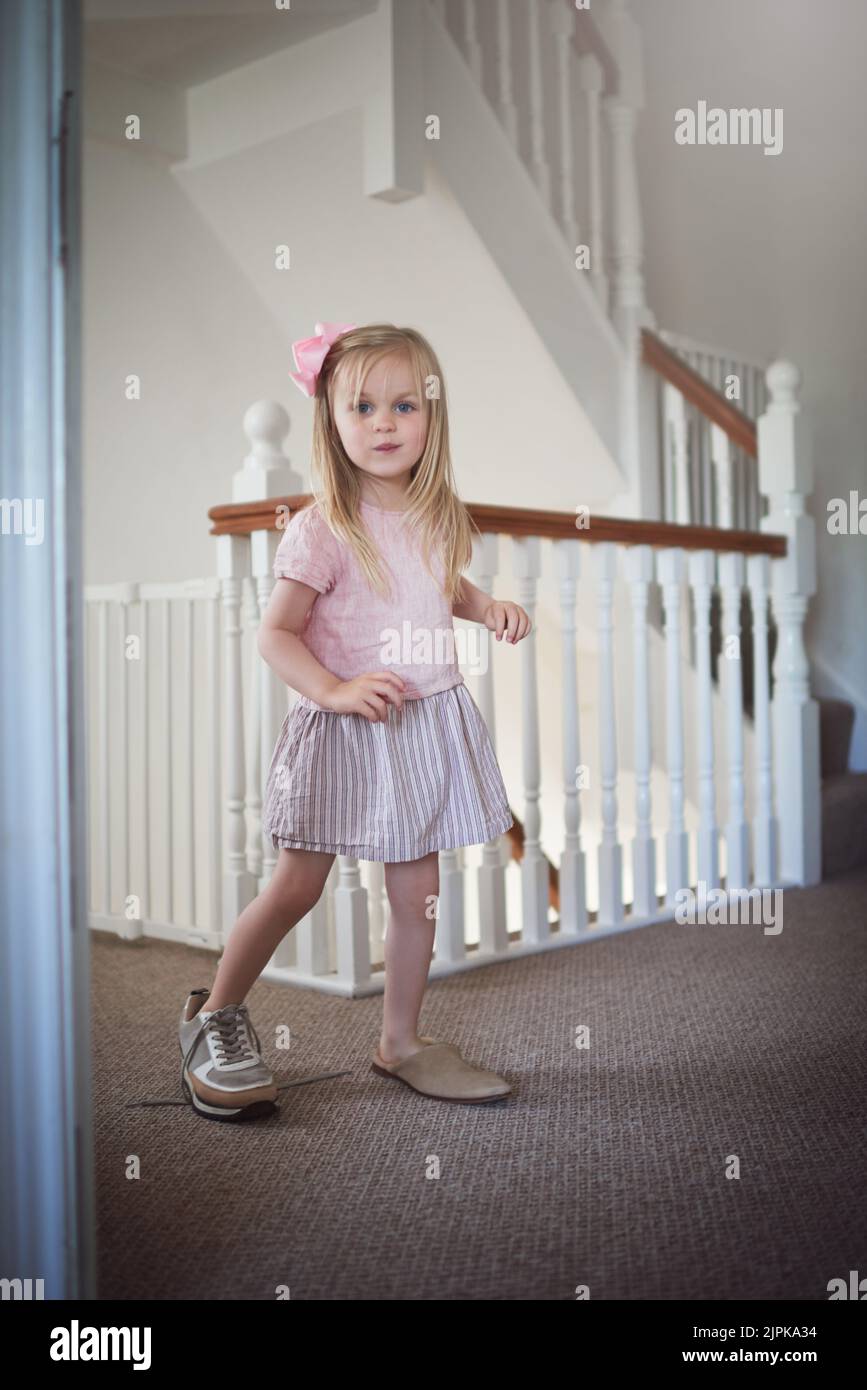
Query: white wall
(180, 287)
(764, 254)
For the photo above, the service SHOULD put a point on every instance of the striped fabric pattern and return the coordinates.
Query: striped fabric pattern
(427, 779)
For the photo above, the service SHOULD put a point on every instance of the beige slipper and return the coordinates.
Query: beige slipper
(438, 1070)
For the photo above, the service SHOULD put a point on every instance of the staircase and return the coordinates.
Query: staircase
(704, 769)
(844, 793)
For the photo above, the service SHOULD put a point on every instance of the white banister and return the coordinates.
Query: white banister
(701, 578)
(239, 885)
(764, 822)
(450, 939)
(786, 479)
(351, 925)
(639, 571)
(254, 751)
(534, 866)
(573, 893)
(339, 945)
(731, 578)
(670, 566)
(491, 876)
(676, 455)
(610, 851)
(721, 452)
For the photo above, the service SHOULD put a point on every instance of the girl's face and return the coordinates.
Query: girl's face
(389, 412)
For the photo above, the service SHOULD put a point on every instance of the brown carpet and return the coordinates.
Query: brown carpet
(607, 1167)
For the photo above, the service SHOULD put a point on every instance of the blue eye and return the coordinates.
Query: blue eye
(408, 404)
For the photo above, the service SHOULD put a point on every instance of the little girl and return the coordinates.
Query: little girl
(383, 760)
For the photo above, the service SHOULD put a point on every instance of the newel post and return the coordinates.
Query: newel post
(244, 565)
(629, 309)
(786, 479)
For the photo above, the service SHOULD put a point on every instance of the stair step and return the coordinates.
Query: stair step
(836, 722)
(844, 823)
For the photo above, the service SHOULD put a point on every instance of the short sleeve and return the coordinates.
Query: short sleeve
(308, 551)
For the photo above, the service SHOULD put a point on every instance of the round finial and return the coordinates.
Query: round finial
(783, 380)
(266, 425)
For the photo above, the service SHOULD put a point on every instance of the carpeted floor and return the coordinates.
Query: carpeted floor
(607, 1167)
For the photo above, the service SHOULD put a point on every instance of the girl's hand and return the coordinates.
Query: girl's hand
(368, 695)
(510, 618)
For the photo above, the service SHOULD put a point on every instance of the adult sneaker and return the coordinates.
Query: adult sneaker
(222, 1070)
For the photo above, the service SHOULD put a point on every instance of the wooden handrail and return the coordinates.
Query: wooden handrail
(587, 39)
(241, 518)
(740, 429)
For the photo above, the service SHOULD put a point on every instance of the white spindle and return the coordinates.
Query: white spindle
(610, 852)
(272, 691)
(351, 924)
(670, 566)
(639, 571)
(377, 910)
(450, 938)
(534, 866)
(786, 479)
(573, 894)
(562, 25)
(721, 457)
(538, 161)
(764, 824)
(592, 82)
(239, 886)
(253, 751)
(491, 875)
(677, 456)
(471, 40)
(629, 309)
(701, 577)
(731, 572)
(309, 939)
(508, 109)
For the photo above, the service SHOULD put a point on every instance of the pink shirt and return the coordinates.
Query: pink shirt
(351, 629)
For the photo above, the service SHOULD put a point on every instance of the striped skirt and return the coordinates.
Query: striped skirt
(426, 779)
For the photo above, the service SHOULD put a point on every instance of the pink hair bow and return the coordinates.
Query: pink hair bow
(310, 353)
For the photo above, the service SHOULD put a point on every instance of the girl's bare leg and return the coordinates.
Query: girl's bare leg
(295, 887)
(409, 941)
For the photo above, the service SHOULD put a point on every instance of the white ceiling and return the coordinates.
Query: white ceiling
(184, 42)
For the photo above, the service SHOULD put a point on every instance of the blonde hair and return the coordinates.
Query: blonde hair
(434, 512)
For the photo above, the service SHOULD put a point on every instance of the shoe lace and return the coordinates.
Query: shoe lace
(228, 1027)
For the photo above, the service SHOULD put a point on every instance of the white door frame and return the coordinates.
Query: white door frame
(46, 1138)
